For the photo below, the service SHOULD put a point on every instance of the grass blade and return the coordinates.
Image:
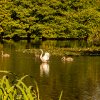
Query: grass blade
(60, 95)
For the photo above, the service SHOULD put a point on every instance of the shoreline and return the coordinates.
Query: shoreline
(85, 51)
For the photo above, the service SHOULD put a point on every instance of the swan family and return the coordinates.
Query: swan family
(45, 58)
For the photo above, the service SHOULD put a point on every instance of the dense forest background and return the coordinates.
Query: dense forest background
(51, 19)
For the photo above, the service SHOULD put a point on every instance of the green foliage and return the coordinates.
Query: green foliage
(19, 90)
(50, 18)
(95, 38)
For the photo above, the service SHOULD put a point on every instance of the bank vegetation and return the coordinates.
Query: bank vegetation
(50, 19)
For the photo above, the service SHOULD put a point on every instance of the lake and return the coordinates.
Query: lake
(79, 79)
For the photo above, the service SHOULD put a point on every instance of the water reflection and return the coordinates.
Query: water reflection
(44, 69)
(45, 44)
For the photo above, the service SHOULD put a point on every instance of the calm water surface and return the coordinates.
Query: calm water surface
(79, 80)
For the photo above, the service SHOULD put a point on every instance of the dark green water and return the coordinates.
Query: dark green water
(79, 80)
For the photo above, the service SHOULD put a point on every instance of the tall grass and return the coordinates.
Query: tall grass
(18, 90)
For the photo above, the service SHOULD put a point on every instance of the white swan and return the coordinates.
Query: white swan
(5, 55)
(44, 58)
(69, 59)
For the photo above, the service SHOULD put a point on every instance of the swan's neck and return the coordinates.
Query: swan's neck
(41, 53)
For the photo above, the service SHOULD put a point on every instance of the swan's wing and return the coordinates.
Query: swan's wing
(46, 56)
